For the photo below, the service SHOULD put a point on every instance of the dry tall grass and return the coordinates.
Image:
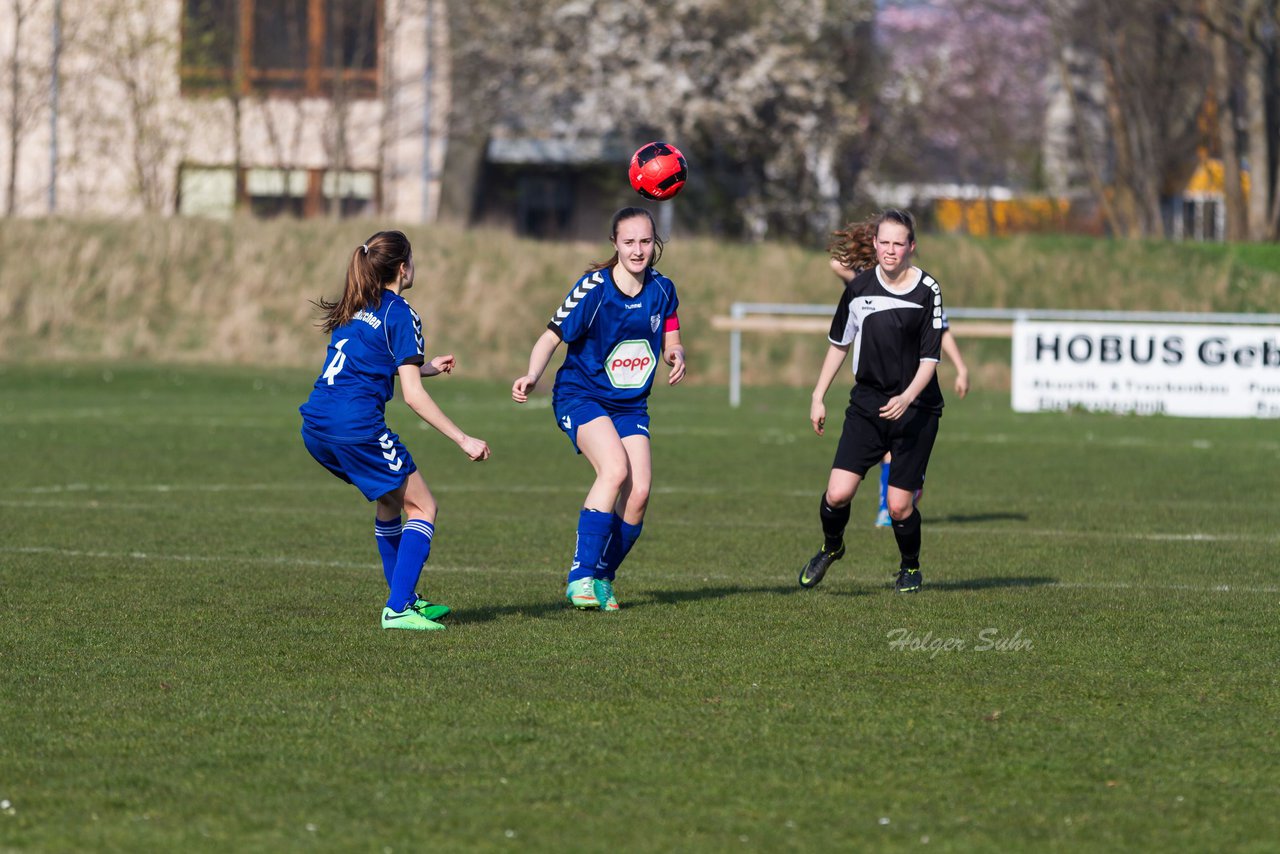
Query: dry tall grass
(239, 291)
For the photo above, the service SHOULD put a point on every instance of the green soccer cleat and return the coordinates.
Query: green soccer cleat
(409, 618)
(430, 610)
(582, 594)
(818, 566)
(604, 595)
(908, 581)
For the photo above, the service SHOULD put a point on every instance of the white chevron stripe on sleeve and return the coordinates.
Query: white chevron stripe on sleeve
(577, 295)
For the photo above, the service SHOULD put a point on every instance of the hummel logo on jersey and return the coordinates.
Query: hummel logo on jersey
(417, 331)
(389, 452)
(567, 422)
(577, 295)
(630, 305)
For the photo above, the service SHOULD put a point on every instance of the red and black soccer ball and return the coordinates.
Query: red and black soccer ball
(658, 171)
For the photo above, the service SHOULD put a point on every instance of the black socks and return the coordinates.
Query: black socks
(907, 532)
(834, 521)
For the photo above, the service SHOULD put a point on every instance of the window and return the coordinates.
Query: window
(212, 190)
(282, 47)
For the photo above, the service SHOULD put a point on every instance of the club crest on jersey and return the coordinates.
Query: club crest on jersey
(655, 320)
(630, 364)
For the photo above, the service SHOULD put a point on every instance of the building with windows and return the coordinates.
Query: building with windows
(204, 107)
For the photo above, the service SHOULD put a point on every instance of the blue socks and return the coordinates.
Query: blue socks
(387, 535)
(622, 536)
(884, 486)
(593, 534)
(415, 548)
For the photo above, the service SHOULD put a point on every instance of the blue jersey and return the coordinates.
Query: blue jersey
(614, 341)
(348, 402)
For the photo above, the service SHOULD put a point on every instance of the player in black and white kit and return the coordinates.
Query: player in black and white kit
(890, 318)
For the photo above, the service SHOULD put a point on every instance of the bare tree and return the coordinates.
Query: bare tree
(26, 96)
(1243, 38)
(135, 56)
(963, 92)
(769, 99)
(1153, 69)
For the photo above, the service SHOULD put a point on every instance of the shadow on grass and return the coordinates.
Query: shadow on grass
(990, 583)
(962, 519)
(649, 599)
(675, 597)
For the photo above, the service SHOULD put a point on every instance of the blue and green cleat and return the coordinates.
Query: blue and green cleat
(409, 618)
(581, 594)
(430, 610)
(604, 595)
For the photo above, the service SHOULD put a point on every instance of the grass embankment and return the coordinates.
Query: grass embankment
(184, 290)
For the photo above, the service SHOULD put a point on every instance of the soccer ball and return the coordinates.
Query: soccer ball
(658, 171)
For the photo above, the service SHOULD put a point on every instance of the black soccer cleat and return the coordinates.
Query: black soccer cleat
(818, 565)
(908, 581)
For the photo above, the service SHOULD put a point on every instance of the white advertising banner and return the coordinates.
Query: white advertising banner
(1173, 369)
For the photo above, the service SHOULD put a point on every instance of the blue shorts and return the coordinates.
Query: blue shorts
(375, 467)
(572, 414)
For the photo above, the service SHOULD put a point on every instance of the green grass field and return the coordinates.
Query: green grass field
(191, 657)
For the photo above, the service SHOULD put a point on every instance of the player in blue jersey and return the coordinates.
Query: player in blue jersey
(852, 251)
(890, 317)
(375, 336)
(617, 321)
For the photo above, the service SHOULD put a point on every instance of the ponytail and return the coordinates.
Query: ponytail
(374, 265)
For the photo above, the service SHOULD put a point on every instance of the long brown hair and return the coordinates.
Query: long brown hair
(854, 246)
(625, 214)
(374, 265)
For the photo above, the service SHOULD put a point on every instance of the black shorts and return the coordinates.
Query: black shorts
(866, 438)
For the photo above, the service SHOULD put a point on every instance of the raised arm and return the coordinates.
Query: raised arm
(438, 365)
(430, 412)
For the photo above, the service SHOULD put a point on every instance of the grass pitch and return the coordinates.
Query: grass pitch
(192, 659)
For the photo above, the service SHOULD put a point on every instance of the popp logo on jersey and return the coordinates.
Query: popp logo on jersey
(630, 364)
